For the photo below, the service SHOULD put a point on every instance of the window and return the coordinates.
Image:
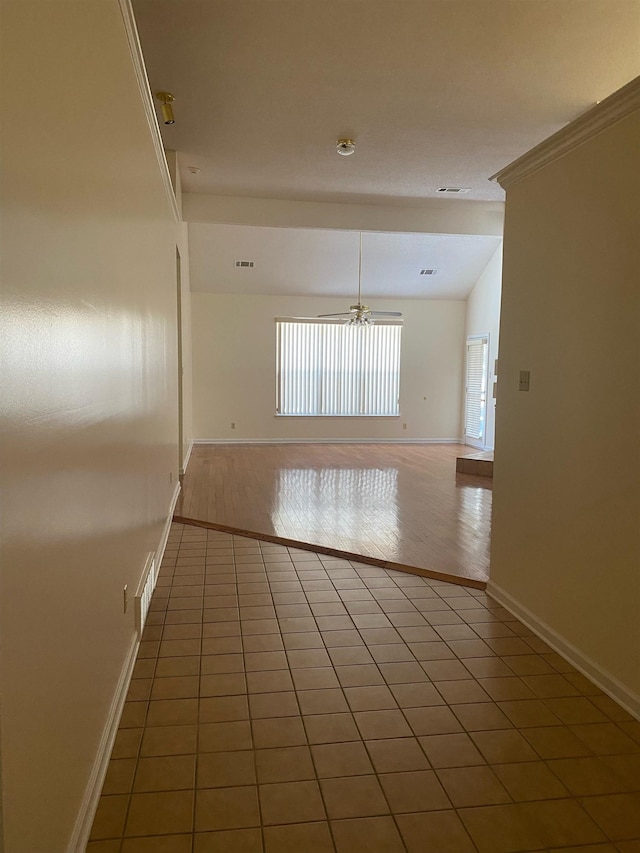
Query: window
(476, 387)
(326, 367)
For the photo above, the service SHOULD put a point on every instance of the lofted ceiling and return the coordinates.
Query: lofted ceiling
(435, 93)
(321, 262)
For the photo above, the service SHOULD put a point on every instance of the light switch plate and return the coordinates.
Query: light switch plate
(525, 376)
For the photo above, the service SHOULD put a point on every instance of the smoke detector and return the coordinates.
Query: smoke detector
(345, 147)
(454, 190)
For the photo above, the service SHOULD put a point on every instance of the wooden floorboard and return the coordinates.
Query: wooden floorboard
(401, 506)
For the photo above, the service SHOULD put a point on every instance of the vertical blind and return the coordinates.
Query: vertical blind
(330, 368)
(476, 387)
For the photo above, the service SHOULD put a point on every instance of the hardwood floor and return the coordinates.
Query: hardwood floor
(402, 506)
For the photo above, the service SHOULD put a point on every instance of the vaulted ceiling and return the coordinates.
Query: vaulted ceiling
(435, 93)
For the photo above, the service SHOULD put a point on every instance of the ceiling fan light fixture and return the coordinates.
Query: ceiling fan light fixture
(345, 146)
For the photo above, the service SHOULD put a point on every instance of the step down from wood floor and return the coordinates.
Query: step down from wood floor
(480, 464)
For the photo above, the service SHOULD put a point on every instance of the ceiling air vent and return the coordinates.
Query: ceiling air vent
(428, 272)
(244, 264)
(454, 190)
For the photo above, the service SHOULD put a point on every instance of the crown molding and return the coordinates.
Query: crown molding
(613, 109)
(142, 80)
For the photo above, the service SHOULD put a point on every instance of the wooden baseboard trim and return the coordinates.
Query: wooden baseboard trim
(335, 552)
(619, 692)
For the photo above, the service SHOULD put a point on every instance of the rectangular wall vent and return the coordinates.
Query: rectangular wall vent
(454, 190)
(428, 272)
(144, 592)
(244, 263)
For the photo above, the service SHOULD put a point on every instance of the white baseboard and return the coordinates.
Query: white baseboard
(327, 441)
(625, 697)
(187, 456)
(84, 821)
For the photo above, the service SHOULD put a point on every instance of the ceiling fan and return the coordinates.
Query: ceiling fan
(359, 314)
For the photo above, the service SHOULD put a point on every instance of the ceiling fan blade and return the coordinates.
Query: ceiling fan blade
(385, 313)
(342, 314)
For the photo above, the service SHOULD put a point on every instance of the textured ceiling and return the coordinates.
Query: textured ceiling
(435, 92)
(325, 263)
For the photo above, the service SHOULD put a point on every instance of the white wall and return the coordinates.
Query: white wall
(565, 537)
(483, 317)
(88, 393)
(234, 357)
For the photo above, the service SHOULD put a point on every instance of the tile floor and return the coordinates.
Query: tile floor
(284, 702)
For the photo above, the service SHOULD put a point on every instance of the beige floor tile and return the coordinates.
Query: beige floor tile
(418, 695)
(261, 661)
(291, 802)
(228, 841)
(530, 781)
(296, 838)
(133, 714)
(169, 740)
(341, 759)
(626, 768)
(434, 720)
(223, 685)
(220, 709)
(224, 737)
(562, 823)
(119, 778)
(440, 831)
(284, 764)
(172, 667)
(576, 710)
(445, 670)
(283, 704)
(605, 738)
(462, 691)
(503, 689)
(273, 681)
(112, 846)
(160, 813)
(617, 814)
(262, 643)
(529, 712)
(370, 698)
(227, 808)
(330, 728)
(226, 769)
(360, 675)
(222, 663)
(414, 791)
(349, 655)
(382, 724)
(587, 776)
(397, 755)
(500, 829)
(503, 746)
(314, 678)
(158, 844)
(330, 701)
(472, 786)
(373, 835)
(356, 796)
(403, 672)
(555, 742)
(278, 731)
(172, 712)
(110, 817)
(165, 773)
(451, 750)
